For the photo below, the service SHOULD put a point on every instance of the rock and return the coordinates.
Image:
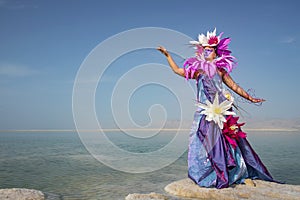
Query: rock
(151, 196)
(21, 194)
(252, 189)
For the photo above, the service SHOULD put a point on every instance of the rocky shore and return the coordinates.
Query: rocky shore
(186, 189)
(21, 194)
(252, 189)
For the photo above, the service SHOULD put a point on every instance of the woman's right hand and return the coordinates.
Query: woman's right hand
(173, 65)
(163, 50)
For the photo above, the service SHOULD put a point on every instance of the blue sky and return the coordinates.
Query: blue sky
(43, 43)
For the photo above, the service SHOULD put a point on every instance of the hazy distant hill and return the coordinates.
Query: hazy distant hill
(292, 124)
(273, 124)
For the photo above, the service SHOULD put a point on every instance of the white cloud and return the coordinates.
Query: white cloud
(15, 70)
(288, 40)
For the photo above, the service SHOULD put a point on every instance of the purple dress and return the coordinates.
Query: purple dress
(212, 159)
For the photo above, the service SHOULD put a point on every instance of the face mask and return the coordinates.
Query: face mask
(207, 52)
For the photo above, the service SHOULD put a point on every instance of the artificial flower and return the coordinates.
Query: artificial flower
(224, 59)
(215, 111)
(232, 130)
(228, 95)
(211, 39)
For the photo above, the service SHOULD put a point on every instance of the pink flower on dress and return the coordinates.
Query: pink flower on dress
(232, 130)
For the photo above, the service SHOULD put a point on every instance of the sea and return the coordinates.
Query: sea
(57, 163)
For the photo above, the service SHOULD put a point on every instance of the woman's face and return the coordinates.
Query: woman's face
(209, 53)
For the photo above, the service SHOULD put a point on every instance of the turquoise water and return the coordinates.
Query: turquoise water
(58, 164)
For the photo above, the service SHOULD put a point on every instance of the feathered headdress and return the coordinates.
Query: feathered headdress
(224, 59)
(212, 40)
(209, 40)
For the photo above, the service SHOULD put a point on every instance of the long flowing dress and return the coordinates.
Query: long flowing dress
(212, 160)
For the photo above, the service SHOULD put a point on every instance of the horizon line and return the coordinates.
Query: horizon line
(136, 129)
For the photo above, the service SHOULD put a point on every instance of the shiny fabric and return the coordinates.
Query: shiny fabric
(212, 160)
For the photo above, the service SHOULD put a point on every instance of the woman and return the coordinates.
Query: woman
(219, 153)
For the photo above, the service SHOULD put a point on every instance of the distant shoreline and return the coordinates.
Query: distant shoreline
(132, 129)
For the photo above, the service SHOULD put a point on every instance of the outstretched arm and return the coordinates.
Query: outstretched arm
(236, 88)
(171, 62)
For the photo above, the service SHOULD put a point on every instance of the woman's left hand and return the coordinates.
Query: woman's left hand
(257, 100)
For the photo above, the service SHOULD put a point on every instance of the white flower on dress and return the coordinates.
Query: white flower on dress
(215, 111)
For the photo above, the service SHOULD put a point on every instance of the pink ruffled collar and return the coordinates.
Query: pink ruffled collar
(193, 64)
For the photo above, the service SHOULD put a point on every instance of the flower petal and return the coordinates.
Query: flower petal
(220, 124)
(222, 118)
(216, 100)
(208, 118)
(194, 42)
(203, 112)
(208, 103)
(203, 106)
(226, 104)
(229, 113)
